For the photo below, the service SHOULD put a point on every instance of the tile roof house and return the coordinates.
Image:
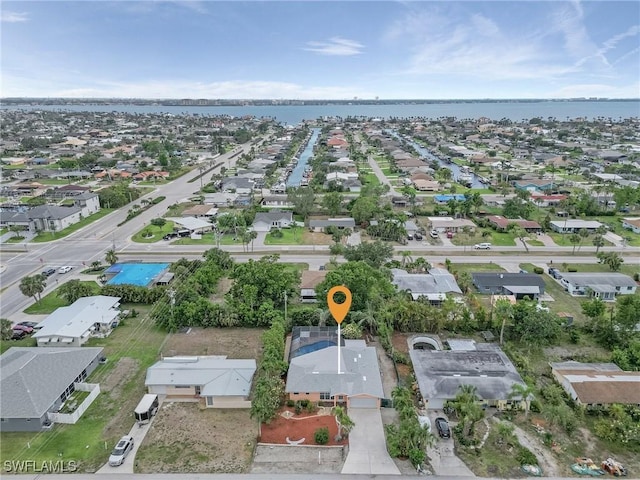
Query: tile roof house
(604, 286)
(72, 326)
(265, 221)
(214, 380)
(440, 373)
(433, 286)
(520, 285)
(317, 376)
(35, 382)
(597, 384)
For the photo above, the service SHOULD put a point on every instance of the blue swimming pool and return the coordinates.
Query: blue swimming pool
(141, 274)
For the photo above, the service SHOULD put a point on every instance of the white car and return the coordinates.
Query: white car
(124, 446)
(65, 269)
(482, 246)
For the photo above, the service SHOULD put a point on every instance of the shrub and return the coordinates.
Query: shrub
(290, 403)
(400, 357)
(321, 436)
(157, 200)
(311, 407)
(572, 269)
(298, 408)
(538, 270)
(636, 277)
(525, 457)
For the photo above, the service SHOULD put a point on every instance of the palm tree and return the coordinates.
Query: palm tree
(406, 258)
(524, 392)
(344, 422)
(33, 286)
(111, 257)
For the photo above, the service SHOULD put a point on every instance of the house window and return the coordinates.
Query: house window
(296, 393)
(198, 388)
(325, 395)
(182, 386)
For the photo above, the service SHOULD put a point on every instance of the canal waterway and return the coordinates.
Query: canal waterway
(455, 169)
(296, 175)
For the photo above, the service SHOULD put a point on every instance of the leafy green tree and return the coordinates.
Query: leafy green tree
(364, 209)
(367, 284)
(593, 308)
(533, 325)
(584, 234)
(522, 392)
(73, 290)
(375, 253)
(158, 222)
(598, 242)
(612, 259)
(5, 329)
(260, 286)
(332, 202)
(111, 257)
(520, 233)
(302, 199)
(627, 316)
(503, 313)
(33, 286)
(344, 422)
(267, 397)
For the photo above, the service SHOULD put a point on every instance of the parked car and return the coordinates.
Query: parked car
(433, 234)
(48, 272)
(555, 273)
(449, 234)
(65, 269)
(23, 328)
(417, 236)
(18, 335)
(34, 325)
(170, 236)
(482, 246)
(120, 452)
(409, 237)
(443, 427)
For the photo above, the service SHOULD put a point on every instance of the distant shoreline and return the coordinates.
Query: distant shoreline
(188, 102)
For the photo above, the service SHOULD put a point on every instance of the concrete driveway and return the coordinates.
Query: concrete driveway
(442, 456)
(367, 447)
(138, 433)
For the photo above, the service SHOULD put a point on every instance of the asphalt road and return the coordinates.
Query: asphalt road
(91, 242)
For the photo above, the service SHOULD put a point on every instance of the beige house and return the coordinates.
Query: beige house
(213, 381)
(597, 384)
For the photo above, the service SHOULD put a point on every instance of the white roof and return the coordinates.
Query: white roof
(76, 319)
(576, 223)
(191, 223)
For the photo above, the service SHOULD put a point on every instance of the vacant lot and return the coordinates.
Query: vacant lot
(185, 438)
(232, 342)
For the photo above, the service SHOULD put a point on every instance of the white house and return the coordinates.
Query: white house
(72, 326)
(216, 381)
(574, 226)
(604, 286)
(265, 221)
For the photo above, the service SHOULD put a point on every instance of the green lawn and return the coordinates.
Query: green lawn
(208, 239)
(25, 342)
(52, 301)
(535, 243)
(54, 181)
(371, 179)
(49, 236)
(290, 236)
(90, 440)
(563, 240)
(156, 233)
(628, 269)
(497, 239)
(15, 239)
(563, 302)
(476, 267)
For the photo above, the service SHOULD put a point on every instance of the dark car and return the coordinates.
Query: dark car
(48, 272)
(417, 236)
(18, 335)
(170, 236)
(443, 427)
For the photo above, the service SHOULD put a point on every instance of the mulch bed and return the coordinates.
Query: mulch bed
(298, 427)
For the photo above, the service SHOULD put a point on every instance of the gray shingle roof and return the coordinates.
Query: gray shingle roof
(33, 378)
(502, 279)
(436, 281)
(594, 278)
(216, 375)
(318, 371)
(52, 212)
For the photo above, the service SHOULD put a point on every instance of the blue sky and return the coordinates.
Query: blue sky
(320, 50)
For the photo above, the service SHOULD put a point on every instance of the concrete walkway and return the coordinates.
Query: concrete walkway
(367, 447)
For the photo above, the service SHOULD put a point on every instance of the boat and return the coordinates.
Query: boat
(465, 178)
(533, 470)
(586, 466)
(614, 468)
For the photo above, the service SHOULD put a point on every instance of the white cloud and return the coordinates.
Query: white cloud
(13, 17)
(336, 46)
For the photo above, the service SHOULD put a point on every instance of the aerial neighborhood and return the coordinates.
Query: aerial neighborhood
(165, 301)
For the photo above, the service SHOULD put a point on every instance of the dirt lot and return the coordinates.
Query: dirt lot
(232, 342)
(316, 238)
(184, 438)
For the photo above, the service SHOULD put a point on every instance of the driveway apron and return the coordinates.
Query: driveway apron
(367, 447)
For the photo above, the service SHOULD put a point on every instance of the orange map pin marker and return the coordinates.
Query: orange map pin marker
(339, 310)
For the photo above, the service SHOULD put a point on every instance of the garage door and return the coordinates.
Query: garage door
(363, 402)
